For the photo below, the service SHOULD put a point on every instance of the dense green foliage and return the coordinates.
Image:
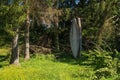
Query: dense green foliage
(100, 20)
(106, 63)
(11, 17)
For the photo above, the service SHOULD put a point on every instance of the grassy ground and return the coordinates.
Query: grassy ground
(47, 67)
(4, 55)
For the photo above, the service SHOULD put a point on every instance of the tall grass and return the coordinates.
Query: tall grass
(46, 68)
(62, 67)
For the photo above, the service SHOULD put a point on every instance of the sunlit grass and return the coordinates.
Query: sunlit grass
(4, 55)
(46, 68)
(4, 51)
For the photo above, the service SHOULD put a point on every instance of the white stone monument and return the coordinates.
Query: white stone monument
(76, 37)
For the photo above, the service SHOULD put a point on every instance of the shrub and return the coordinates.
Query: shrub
(118, 67)
(101, 59)
(104, 73)
(106, 63)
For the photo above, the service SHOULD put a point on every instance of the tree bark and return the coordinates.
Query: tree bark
(27, 55)
(15, 49)
(80, 32)
(57, 37)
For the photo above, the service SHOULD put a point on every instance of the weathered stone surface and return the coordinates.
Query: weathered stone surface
(76, 37)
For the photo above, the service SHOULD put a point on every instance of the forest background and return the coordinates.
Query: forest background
(29, 28)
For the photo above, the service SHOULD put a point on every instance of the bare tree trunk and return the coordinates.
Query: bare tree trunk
(27, 55)
(57, 37)
(80, 35)
(15, 49)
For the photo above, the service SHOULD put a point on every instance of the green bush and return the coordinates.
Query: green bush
(106, 63)
(101, 59)
(118, 77)
(104, 73)
(118, 67)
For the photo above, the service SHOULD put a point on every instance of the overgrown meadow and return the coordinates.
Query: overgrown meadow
(60, 66)
(35, 39)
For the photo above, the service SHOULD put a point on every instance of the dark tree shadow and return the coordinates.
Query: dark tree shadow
(3, 60)
(69, 59)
